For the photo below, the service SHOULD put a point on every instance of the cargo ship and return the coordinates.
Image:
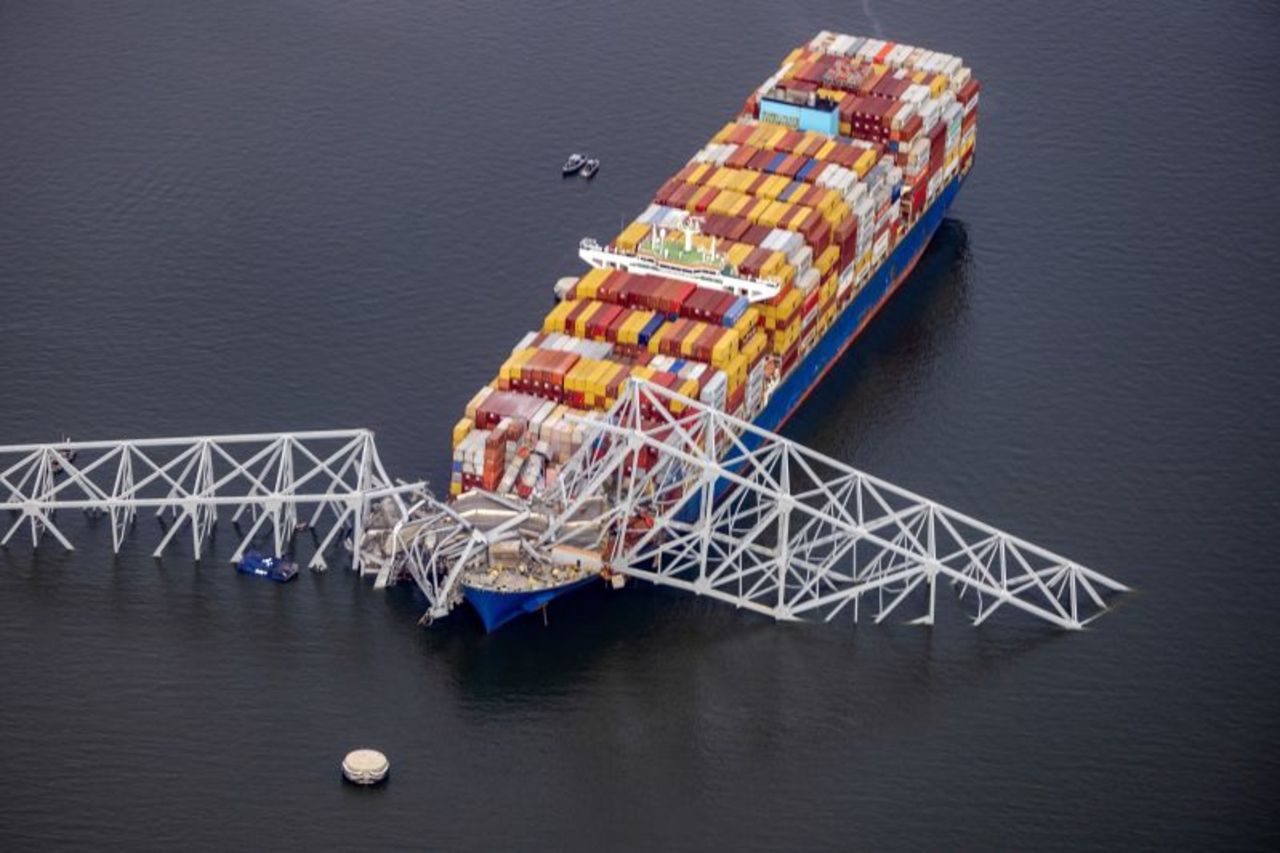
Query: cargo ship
(744, 280)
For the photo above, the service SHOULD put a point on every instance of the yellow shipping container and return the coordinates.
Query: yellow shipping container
(629, 331)
(578, 375)
(604, 377)
(865, 162)
(771, 214)
(589, 284)
(825, 150)
(828, 289)
(723, 203)
(513, 366)
(776, 136)
(787, 307)
(591, 382)
(696, 176)
(641, 371)
(799, 213)
(740, 206)
(814, 142)
(748, 321)
(461, 429)
(773, 264)
(772, 187)
(828, 259)
(554, 321)
(737, 253)
(656, 339)
(725, 132)
(693, 199)
(743, 179)
(722, 179)
(632, 236)
(757, 210)
(580, 322)
(725, 350)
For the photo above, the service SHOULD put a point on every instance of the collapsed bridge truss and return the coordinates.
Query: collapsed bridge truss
(710, 504)
(262, 479)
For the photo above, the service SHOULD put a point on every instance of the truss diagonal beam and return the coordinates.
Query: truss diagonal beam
(189, 480)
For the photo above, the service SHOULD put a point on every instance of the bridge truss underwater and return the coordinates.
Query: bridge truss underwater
(696, 500)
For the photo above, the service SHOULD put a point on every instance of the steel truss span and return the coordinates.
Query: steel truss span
(264, 482)
(711, 504)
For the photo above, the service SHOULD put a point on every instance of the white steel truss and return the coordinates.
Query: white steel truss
(264, 478)
(707, 503)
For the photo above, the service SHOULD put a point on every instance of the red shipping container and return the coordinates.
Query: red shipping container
(752, 264)
(741, 158)
(791, 165)
(789, 141)
(681, 196)
(599, 322)
(573, 315)
(742, 133)
(724, 301)
(937, 146)
(707, 197)
(687, 172)
(706, 341)
(610, 288)
(614, 328)
(754, 189)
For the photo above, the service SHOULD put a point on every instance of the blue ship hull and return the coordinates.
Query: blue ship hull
(498, 608)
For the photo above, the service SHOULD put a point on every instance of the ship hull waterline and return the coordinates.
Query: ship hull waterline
(497, 608)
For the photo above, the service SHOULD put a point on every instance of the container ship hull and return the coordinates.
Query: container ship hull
(751, 271)
(497, 608)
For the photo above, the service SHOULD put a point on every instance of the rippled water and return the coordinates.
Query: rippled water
(239, 216)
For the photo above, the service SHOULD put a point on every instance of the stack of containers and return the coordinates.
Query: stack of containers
(816, 214)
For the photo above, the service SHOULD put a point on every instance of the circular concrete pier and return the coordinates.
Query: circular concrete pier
(365, 767)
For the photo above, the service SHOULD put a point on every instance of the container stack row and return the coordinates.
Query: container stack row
(807, 192)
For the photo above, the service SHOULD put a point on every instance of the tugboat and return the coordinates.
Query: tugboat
(590, 168)
(573, 164)
(263, 566)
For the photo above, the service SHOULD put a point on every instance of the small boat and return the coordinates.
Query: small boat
(590, 168)
(573, 164)
(263, 566)
(60, 456)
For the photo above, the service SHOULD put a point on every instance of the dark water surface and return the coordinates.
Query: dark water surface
(225, 217)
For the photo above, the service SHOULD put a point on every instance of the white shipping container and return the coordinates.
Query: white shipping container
(869, 49)
(916, 94)
(807, 282)
(801, 258)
